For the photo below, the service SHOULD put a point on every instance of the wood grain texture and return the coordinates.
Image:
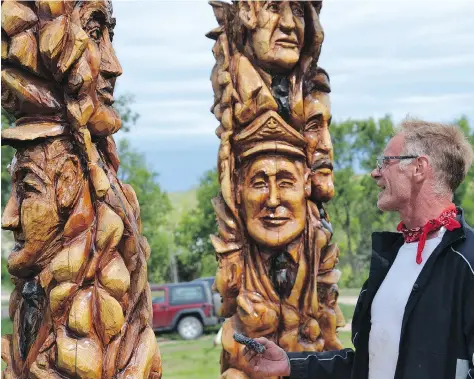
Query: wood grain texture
(81, 306)
(277, 266)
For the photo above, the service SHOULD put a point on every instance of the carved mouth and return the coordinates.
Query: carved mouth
(322, 166)
(19, 239)
(272, 220)
(287, 42)
(105, 94)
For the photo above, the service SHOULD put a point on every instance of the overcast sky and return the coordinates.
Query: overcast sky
(384, 57)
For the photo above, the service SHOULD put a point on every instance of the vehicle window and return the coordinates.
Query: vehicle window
(211, 282)
(186, 295)
(158, 297)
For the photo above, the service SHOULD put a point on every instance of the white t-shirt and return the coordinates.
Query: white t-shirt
(388, 307)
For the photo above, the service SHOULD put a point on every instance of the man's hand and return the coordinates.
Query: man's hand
(272, 362)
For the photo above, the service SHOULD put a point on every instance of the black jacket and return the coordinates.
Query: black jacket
(437, 335)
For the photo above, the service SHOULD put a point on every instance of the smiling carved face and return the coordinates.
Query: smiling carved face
(273, 195)
(278, 37)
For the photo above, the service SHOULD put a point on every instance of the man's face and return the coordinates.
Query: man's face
(273, 193)
(319, 148)
(98, 68)
(279, 35)
(34, 209)
(394, 181)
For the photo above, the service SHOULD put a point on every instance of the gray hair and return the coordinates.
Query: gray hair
(448, 150)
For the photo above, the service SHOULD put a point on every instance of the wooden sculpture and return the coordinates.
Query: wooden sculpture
(276, 272)
(81, 307)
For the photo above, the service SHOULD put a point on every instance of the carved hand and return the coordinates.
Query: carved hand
(258, 314)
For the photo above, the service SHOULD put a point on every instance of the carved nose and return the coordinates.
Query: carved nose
(11, 217)
(287, 23)
(110, 66)
(273, 201)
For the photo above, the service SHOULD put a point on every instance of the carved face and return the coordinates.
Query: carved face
(319, 147)
(45, 184)
(96, 71)
(278, 36)
(273, 195)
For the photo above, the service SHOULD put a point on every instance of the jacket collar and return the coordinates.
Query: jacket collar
(385, 244)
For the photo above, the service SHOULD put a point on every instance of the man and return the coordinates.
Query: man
(415, 315)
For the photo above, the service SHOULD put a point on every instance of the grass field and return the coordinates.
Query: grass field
(197, 359)
(349, 292)
(347, 311)
(200, 359)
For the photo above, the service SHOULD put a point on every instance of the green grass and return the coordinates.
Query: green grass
(347, 311)
(349, 292)
(345, 338)
(198, 359)
(7, 326)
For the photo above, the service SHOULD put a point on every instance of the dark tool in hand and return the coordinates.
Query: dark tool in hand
(249, 342)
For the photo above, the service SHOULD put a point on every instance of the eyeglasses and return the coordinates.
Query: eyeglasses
(383, 160)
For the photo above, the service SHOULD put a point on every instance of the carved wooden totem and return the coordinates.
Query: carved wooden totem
(81, 307)
(276, 273)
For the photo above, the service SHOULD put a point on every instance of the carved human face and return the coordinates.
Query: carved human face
(45, 184)
(273, 194)
(96, 71)
(278, 37)
(319, 147)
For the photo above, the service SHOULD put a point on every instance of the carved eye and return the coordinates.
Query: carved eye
(273, 7)
(297, 9)
(95, 26)
(31, 184)
(286, 184)
(259, 184)
(95, 34)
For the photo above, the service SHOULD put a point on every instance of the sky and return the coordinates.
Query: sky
(397, 57)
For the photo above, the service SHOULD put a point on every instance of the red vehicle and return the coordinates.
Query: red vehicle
(184, 307)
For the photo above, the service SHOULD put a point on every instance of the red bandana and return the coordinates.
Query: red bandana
(446, 219)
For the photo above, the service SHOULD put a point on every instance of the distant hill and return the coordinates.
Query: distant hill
(181, 201)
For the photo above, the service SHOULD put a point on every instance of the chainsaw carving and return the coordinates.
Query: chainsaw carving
(81, 307)
(276, 273)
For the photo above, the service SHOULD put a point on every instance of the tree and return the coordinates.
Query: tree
(154, 209)
(123, 106)
(353, 212)
(461, 191)
(155, 205)
(197, 257)
(7, 155)
(7, 239)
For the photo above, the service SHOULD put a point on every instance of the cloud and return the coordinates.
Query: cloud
(427, 99)
(383, 56)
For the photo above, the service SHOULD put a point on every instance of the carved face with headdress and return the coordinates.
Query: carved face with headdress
(273, 181)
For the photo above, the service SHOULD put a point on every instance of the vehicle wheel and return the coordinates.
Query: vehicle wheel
(189, 328)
